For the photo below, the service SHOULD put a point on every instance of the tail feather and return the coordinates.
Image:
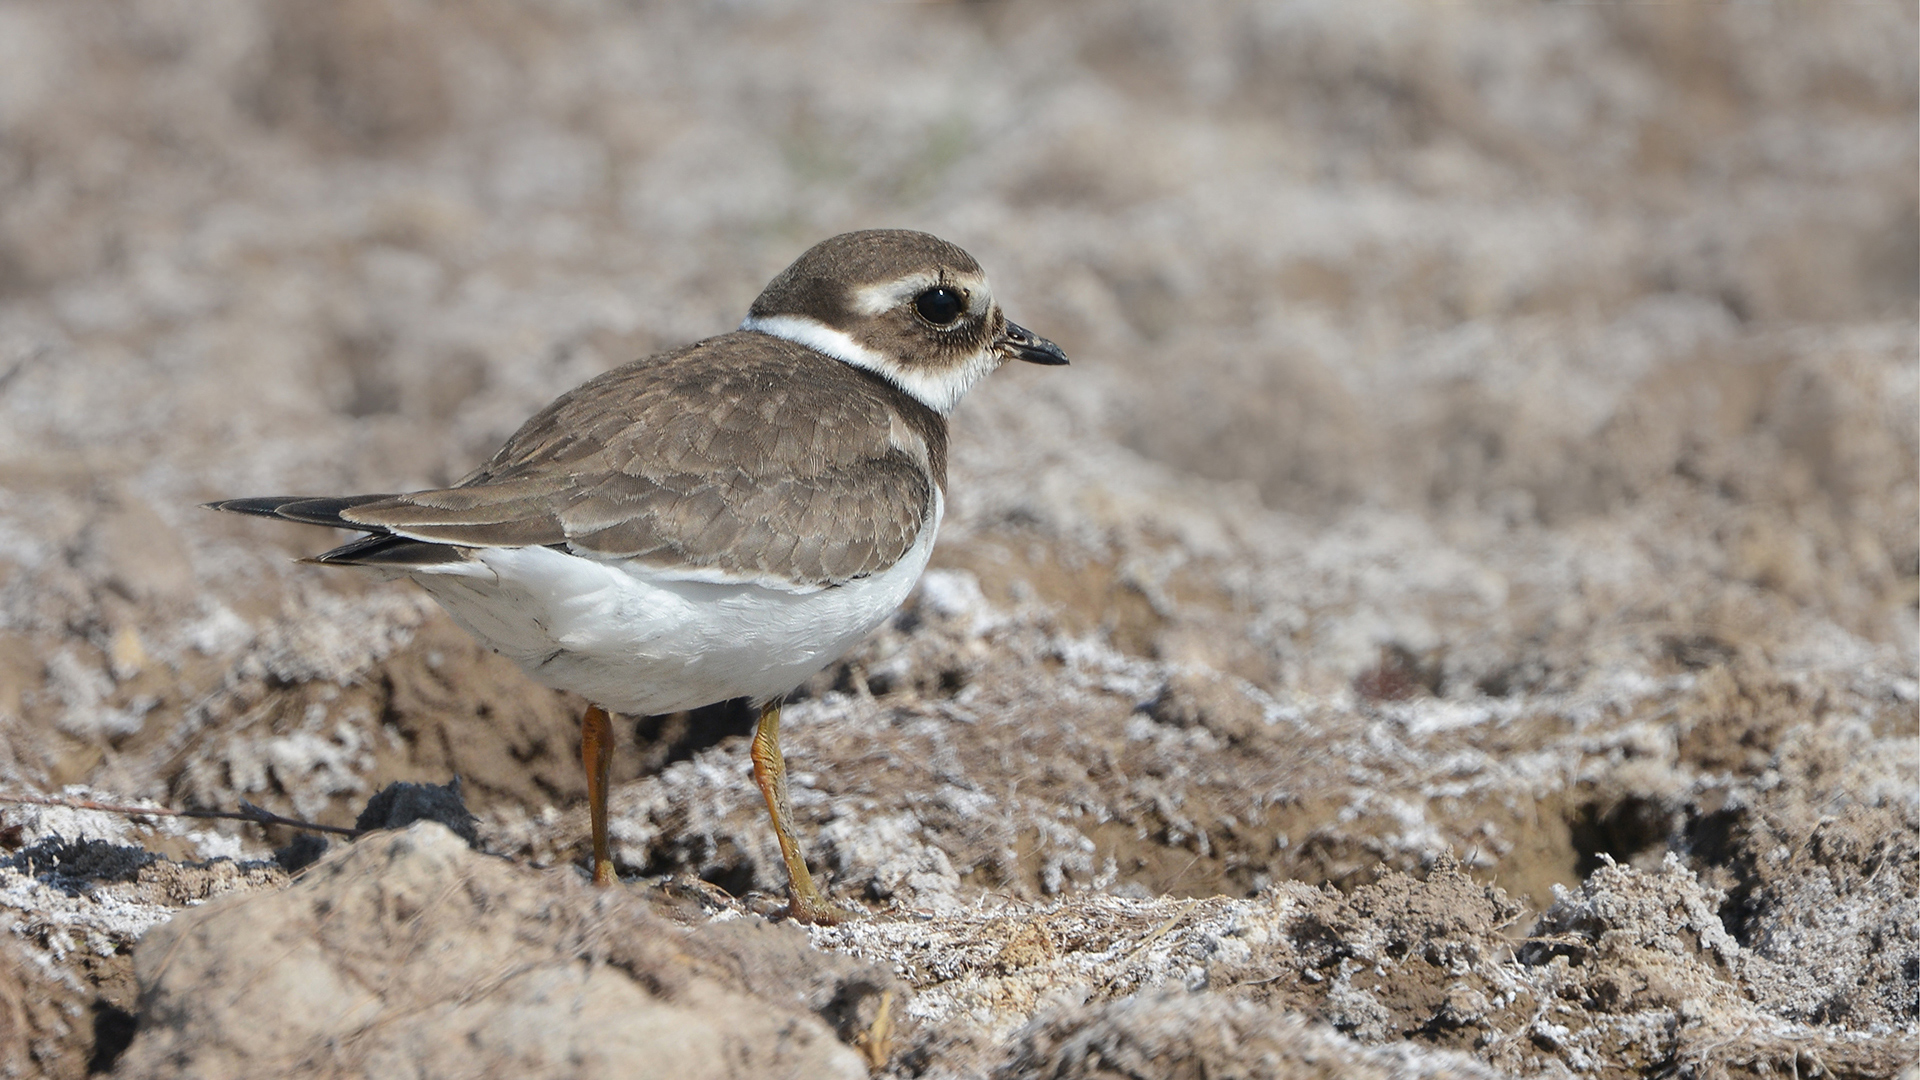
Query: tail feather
(379, 548)
(394, 552)
(306, 509)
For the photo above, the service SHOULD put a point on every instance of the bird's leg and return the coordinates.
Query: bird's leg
(596, 752)
(805, 903)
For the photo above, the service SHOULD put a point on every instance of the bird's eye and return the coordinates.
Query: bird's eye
(940, 305)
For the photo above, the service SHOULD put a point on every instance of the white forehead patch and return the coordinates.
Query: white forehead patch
(938, 388)
(884, 297)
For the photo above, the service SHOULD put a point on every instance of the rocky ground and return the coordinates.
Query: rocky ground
(1459, 615)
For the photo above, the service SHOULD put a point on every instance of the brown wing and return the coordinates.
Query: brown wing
(776, 464)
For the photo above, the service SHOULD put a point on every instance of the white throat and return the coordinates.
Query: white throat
(938, 389)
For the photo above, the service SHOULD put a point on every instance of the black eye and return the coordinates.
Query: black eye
(940, 305)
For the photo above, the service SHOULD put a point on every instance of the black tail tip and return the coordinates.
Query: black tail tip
(260, 507)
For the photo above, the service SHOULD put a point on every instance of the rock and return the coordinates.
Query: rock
(409, 954)
(1209, 700)
(400, 804)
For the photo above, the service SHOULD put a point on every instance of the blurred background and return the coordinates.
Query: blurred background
(1457, 351)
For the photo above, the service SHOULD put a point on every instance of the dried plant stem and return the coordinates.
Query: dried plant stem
(247, 812)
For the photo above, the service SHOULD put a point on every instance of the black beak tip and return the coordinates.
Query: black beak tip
(1026, 345)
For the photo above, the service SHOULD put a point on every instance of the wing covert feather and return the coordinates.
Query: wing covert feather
(669, 461)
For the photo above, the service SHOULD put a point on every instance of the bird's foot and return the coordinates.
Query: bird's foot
(816, 910)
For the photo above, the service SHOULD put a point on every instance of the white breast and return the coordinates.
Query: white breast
(637, 640)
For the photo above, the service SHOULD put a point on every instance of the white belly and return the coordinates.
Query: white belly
(636, 641)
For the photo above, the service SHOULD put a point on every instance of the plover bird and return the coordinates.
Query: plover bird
(720, 521)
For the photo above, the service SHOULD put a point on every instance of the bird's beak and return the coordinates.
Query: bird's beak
(1023, 344)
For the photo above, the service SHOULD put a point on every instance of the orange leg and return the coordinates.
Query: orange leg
(596, 752)
(805, 903)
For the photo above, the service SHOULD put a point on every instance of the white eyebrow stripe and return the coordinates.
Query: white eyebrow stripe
(882, 298)
(879, 299)
(939, 389)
